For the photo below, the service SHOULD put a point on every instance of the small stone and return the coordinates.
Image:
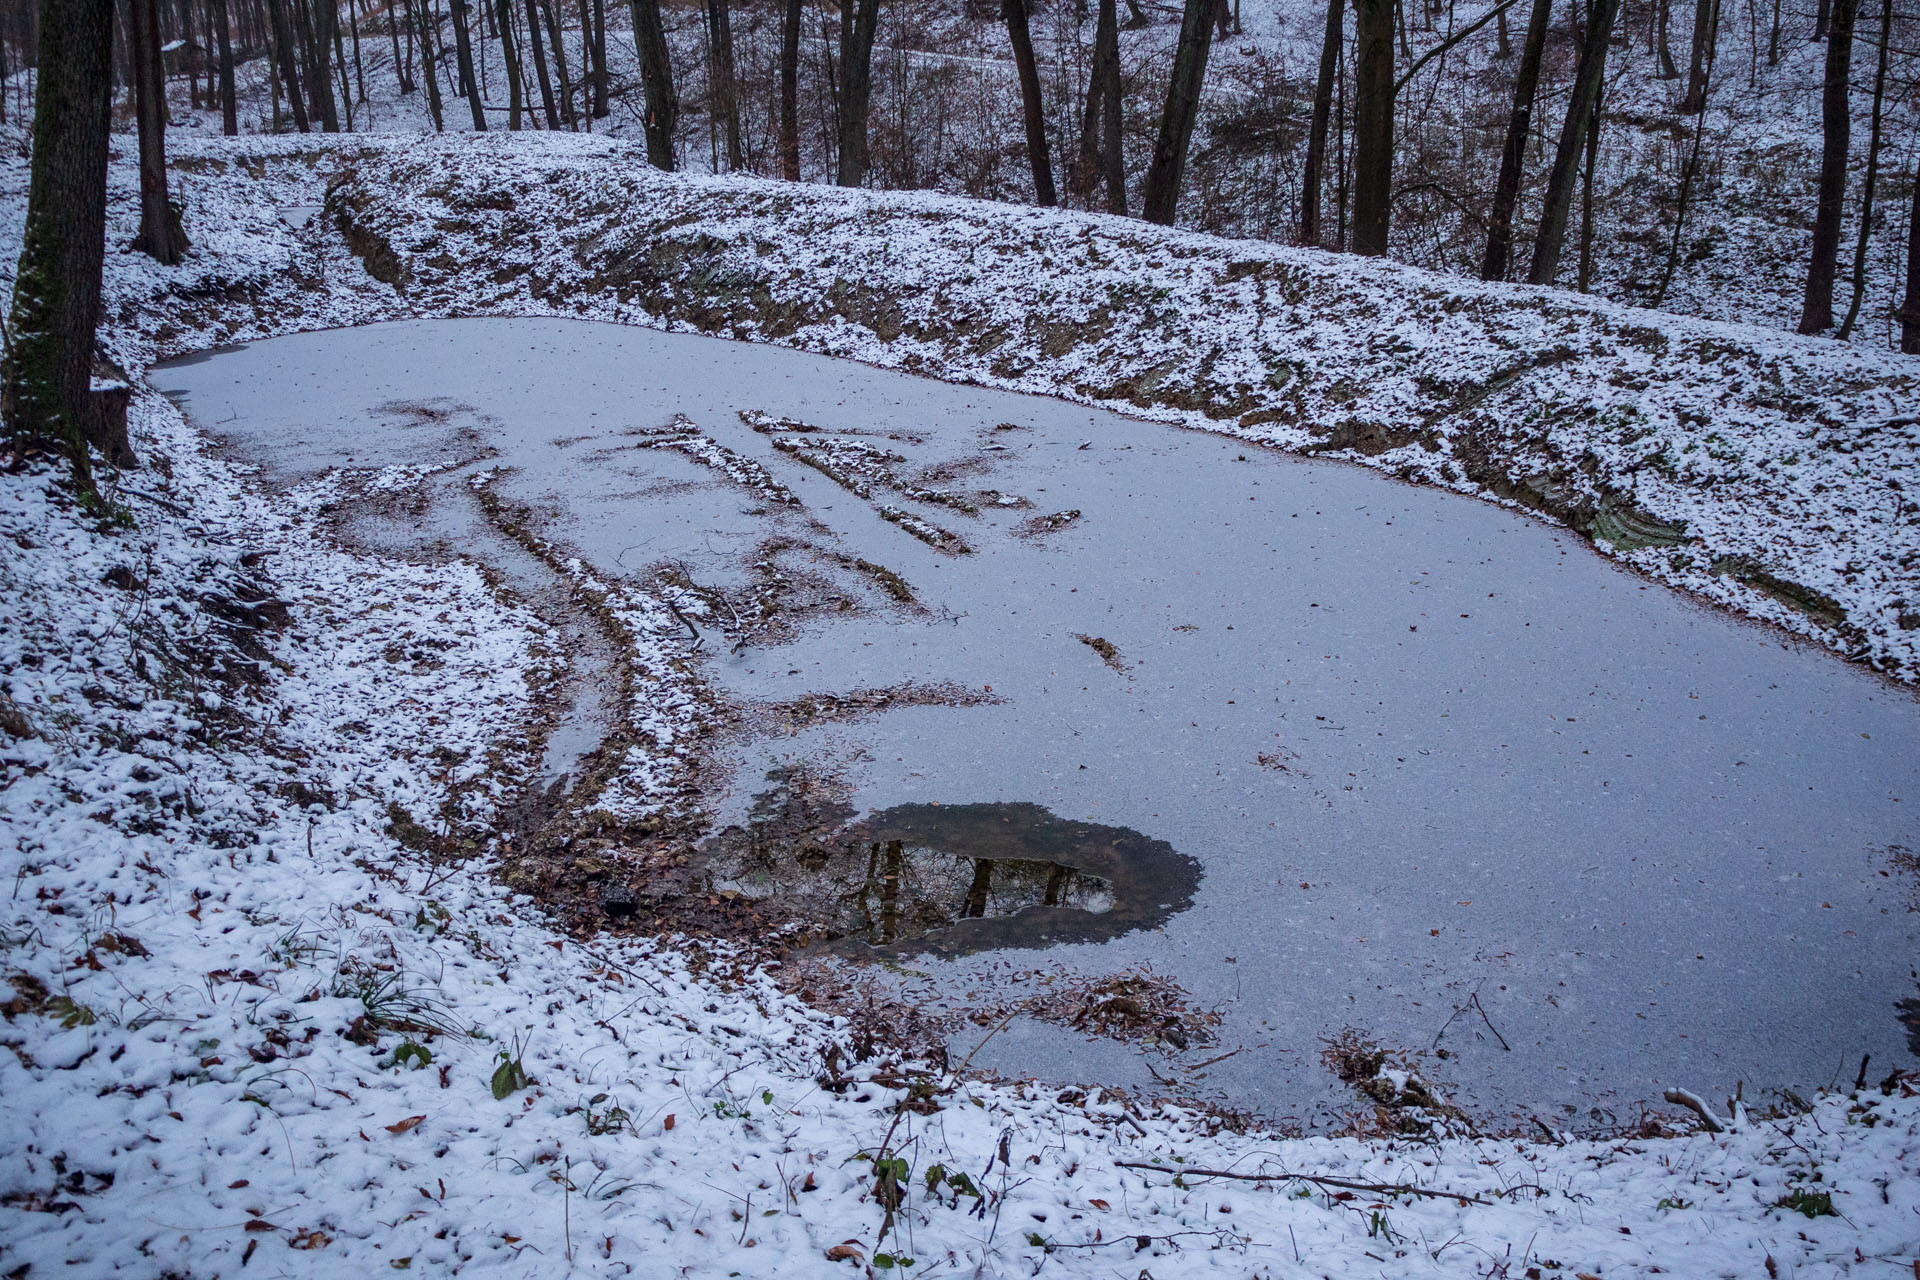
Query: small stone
(618, 901)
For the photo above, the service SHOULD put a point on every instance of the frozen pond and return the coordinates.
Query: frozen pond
(1422, 749)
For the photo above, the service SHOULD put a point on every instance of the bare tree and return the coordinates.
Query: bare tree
(790, 90)
(161, 235)
(1164, 171)
(46, 392)
(1317, 131)
(1706, 36)
(1513, 156)
(1014, 14)
(725, 97)
(1372, 125)
(463, 59)
(511, 56)
(1874, 137)
(656, 74)
(537, 51)
(1816, 312)
(1573, 134)
(858, 19)
(283, 59)
(1909, 313)
(1101, 158)
(229, 111)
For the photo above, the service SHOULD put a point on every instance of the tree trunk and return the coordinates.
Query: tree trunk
(511, 56)
(1100, 156)
(556, 36)
(1821, 14)
(1164, 171)
(1317, 131)
(429, 20)
(1706, 35)
(859, 18)
(1583, 277)
(601, 87)
(229, 109)
(790, 90)
(314, 34)
(1573, 133)
(1909, 313)
(46, 393)
(656, 73)
(160, 234)
(1014, 13)
(1873, 170)
(283, 57)
(463, 58)
(402, 62)
(726, 97)
(1112, 150)
(1773, 37)
(536, 50)
(1663, 10)
(1816, 313)
(1513, 157)
(1372, 125)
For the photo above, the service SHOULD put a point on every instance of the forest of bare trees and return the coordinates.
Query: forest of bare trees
(1641, 149)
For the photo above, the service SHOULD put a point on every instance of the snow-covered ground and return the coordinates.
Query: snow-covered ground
(268, 1013)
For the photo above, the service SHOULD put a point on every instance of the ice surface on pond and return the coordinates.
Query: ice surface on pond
(1422, 747)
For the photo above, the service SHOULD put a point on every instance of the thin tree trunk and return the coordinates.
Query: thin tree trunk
(1014, 14)
(1112, 149)
(1909, 313)
(340, 62)
(1584, 275)
(429, 19)
(1706, 35)
(314, 36)
(1773, 38)
(1816, 313)
(402, 62)
(283, 50)
(1372, 125)
(229, 108)
(726, 97)
(1873, 171)
(1513, 157)
(160, 234)
(1162, 192)
(1317, 132)
(46, 385)
(790, 20)
(556, 37)
(463, 57)
(1663, 10)
(354, 12)
(537, 51)
(601, 87)
(1566, 156)
(859, 18)
(656, 73)
(511, 55)
(1822, 13)
(1505, 46)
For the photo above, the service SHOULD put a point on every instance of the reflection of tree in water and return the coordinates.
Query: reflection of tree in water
(949, 878)
(909, 889)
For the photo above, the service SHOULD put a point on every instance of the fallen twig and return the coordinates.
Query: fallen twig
(1694, 1103)
(1377, 1188)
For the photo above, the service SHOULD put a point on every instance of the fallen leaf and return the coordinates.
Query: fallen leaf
(1100, 1204)
(405, 1126)
(667, 1123)
(845, 1253)
(236, 1184)
(260, 1224)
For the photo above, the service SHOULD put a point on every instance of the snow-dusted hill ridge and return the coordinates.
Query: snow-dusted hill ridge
(1764, 471)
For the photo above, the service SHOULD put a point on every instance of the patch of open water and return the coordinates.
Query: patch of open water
(1420, 748)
